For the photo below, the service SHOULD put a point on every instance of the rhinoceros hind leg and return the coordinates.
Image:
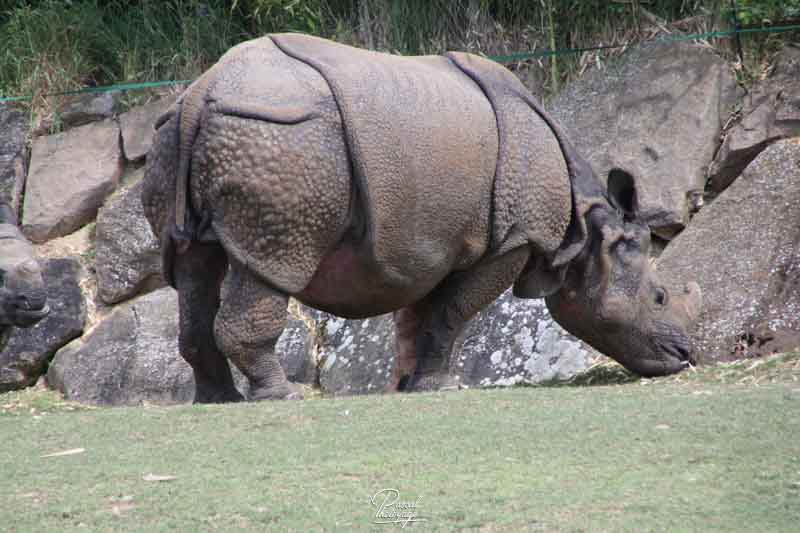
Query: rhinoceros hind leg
(443, 314)
(406, 323)
(250, 320)
(198, 274)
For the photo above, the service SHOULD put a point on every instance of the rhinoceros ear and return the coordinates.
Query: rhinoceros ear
(7, 215)
(622, 193)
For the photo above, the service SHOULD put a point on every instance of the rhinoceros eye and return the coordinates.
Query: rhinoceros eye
(660, 296)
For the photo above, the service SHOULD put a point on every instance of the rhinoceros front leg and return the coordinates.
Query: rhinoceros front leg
(248, 324)
(198, 274)
(426, 331)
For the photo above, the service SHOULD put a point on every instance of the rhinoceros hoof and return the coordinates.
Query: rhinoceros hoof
(280, 392)
(434, 382)
(202, 395)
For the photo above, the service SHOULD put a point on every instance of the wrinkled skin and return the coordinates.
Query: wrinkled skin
(23, 301)
(297, 169)
(613, 299)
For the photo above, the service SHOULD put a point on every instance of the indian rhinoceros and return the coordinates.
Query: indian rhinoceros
(362, 183)
(23, 299)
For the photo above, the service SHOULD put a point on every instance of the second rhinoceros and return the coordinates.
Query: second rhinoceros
(23, 297)
(362, 183)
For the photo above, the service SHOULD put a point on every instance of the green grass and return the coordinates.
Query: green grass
(694, 454)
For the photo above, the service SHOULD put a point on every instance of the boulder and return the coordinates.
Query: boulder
(85, 108)
(14, 130)
(516, 341)
(510, 342)
(128, 255)
(27, 351)
(70, 177)
(744, 251)
(355, 356)
(138, 126)
(297, 345)
(132, 356)
(770, 112)
(657, 113)
(129, 357)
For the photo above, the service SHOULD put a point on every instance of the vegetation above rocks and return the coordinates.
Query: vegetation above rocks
(50, 46)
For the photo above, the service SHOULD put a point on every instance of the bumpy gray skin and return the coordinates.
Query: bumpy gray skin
(362, 183)
(23, 300)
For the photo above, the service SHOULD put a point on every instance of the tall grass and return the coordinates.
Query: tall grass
(54, 45)
(51, 45)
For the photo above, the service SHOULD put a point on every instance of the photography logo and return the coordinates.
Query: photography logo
(391, 509)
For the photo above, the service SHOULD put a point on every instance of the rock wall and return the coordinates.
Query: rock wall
(656, 113)
(744, 250)
(771, 111)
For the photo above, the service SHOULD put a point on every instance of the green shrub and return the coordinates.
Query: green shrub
(55, 45)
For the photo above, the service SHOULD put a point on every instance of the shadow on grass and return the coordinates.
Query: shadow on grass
(606, 373)
(600, 374)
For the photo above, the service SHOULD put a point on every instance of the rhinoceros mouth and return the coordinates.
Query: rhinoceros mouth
(670, 358)
(681, 352)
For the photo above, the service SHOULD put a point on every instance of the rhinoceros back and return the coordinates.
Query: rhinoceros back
(422, 140)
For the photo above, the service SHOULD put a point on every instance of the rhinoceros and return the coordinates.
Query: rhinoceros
(23, 299)
(363, 183)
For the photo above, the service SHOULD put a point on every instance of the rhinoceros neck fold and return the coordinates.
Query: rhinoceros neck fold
(531, 196)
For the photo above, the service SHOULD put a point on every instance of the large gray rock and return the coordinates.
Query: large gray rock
(128, 257)
(138, 126)
(71, 175)
(516, 341)
(770, 112)
(86, 108)
(297, 345)
(27, 351)
(656, 113)
(510, 342)
(355, 356)
(132, 357)
(14, 129)
(744, 251)
(128, 358)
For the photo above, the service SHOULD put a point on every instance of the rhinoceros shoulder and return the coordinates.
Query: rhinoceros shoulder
(532, 190)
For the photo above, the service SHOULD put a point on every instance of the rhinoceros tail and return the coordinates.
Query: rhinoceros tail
(190, 114)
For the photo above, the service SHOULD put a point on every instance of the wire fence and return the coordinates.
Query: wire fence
(735, 32)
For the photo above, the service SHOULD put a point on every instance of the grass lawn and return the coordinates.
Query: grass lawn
(717, 450)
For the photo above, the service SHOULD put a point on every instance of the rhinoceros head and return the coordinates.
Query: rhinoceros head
(611, 296)
(23, 300)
